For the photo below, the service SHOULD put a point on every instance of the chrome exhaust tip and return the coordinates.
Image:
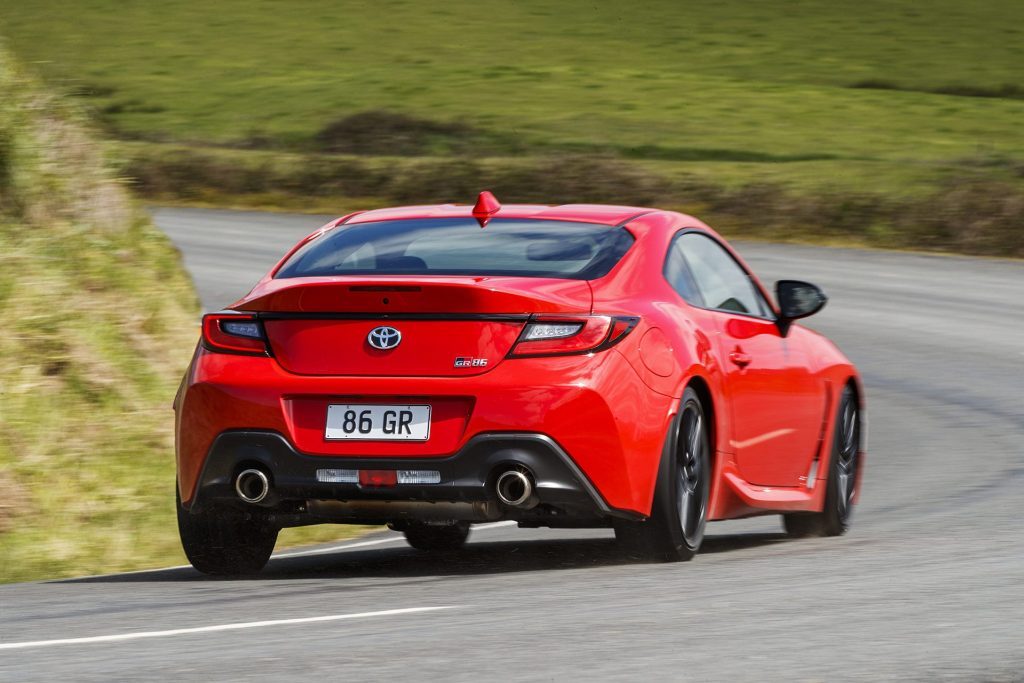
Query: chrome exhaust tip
(252, 485)
(515, 489)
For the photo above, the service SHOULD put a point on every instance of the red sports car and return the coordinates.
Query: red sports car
(565, 366)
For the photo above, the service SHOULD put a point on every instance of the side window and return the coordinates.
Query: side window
(678, 275)
(722, 283)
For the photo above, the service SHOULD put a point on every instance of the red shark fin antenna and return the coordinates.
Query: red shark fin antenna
(485, 208)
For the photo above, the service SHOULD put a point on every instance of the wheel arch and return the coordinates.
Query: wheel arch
(702, 388)
(854, 382)
(839, 384)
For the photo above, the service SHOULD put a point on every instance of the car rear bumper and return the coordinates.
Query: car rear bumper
(565, 496)
(607, 424)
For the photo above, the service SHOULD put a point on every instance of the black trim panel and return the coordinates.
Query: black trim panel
(483, 317)
(466, 476)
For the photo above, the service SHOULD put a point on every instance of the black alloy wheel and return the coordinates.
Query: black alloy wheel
(675, 529)
(225, 542)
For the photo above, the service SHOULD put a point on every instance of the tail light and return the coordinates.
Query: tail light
(234, 333)
(565, 335)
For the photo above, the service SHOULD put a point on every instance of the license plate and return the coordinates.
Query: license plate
(378, 423)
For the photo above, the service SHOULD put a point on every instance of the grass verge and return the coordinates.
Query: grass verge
(100, 319)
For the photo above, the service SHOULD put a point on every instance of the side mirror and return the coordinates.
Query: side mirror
(797, 300)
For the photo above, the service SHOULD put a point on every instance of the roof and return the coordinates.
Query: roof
(602, 214)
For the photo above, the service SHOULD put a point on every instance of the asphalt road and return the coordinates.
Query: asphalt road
(929, 583)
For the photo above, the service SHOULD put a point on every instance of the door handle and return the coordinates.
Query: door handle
(739, 358)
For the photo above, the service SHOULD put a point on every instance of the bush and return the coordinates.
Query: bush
(332, 177)
(975, 216)
(391, 133)
(580, 178)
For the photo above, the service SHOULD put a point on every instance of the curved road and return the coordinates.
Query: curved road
(928, 584)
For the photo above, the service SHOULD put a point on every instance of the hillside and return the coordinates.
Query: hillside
(885, 124)
(99, 321)
(730, 80)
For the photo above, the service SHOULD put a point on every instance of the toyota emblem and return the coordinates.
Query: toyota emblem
(384, 338)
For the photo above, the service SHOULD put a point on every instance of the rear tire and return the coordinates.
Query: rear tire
(433, 538)
(225, 543)
(834, 519)
(675, 529)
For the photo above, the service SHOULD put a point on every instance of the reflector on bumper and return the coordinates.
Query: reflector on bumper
(419, 477)
(338, 476)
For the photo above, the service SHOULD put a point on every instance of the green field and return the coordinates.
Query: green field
(723, 80)
(885, 102)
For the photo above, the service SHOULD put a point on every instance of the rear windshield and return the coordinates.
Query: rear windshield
(527, 248)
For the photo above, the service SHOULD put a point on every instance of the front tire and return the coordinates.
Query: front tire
(225, 543)
(675, 529)
(834, 519)
(434, 538)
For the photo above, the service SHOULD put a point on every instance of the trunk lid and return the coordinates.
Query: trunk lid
(447, 326)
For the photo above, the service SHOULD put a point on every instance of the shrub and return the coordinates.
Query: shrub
(976, 216)
(391, 133)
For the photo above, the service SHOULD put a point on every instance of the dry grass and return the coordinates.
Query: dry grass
(100, 319)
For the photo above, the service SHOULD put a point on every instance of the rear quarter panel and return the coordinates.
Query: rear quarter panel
(674, 342)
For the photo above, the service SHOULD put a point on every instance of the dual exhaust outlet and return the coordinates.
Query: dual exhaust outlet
(514, 487)
(252, 485)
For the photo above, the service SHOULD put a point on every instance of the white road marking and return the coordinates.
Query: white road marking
(336, 548)
(494, 525)
(220, 627)
(380, 541)
(298, 553)
(89, 577)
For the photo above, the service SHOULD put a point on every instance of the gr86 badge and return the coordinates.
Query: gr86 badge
(470, 362)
